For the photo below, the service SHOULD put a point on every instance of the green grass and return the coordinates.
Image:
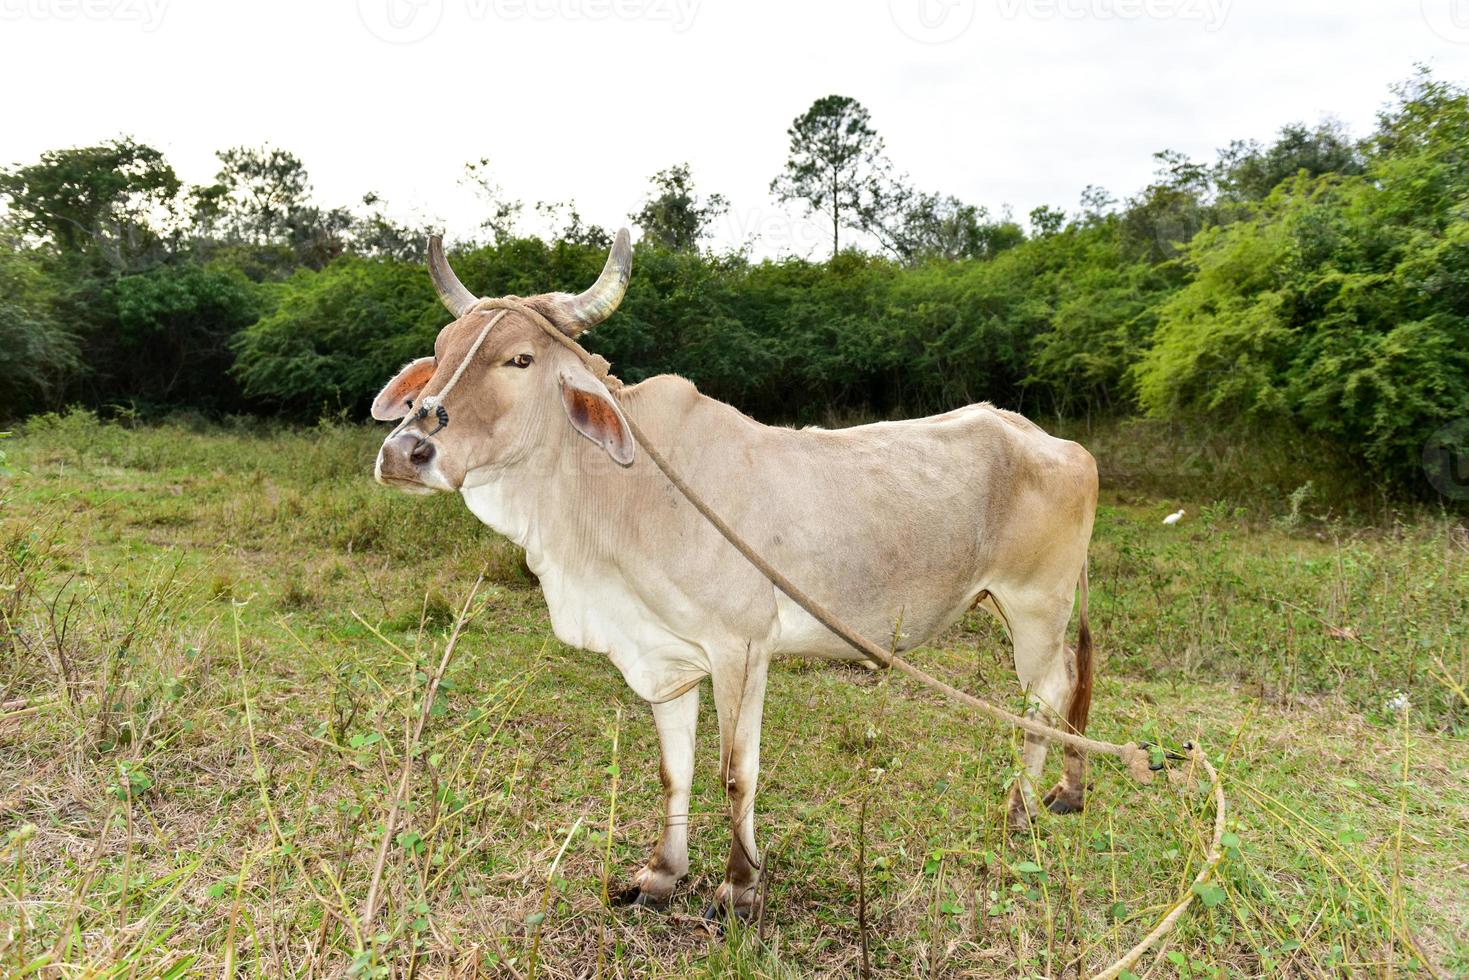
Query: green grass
(214, 643)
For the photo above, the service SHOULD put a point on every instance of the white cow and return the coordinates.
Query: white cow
(914, 521)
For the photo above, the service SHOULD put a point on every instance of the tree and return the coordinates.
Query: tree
(916, 225)
(261, 199)
(573, 230)
(1170, 211)
(673, 216)
(37, 354)
(378, 236)
(1096, 204)
(103, 202)
(1046, 221)
(255, 193)
(836, 165)
(1248, 171)
(502, 211)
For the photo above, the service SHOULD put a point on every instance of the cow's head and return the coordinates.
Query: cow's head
(520, 382)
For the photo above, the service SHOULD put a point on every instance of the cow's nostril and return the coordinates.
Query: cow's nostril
(421, 453)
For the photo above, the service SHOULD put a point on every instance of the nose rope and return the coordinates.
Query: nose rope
(432, 401)
(435, 403)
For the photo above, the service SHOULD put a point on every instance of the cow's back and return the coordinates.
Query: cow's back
(884, 523)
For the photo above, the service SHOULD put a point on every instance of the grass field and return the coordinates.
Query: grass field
(214, 645)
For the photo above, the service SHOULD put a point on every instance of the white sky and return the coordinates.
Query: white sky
(1019, 102)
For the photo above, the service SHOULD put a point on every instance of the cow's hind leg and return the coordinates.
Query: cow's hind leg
(1069, 794)
(1047, 673)
(739, 698)
(676, 721)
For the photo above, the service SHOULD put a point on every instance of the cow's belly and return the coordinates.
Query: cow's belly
(801, 635)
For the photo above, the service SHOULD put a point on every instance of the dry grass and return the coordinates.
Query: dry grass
(216, 651)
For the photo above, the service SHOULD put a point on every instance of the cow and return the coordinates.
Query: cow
(898, 528)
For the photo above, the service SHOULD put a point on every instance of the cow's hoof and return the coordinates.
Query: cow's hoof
(634, 897)
(1019, 818)
(718, 913)
(1064, 799)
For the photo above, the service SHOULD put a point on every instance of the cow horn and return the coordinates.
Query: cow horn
(458, 299)
(590, 308)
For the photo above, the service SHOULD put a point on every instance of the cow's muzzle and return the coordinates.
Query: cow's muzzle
(406, 461)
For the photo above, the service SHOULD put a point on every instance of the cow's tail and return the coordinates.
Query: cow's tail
(1081, 697)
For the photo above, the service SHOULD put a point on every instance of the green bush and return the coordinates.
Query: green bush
(1324, 314)
(1317, 288)
(38, 355)
(173, 328)
(335, 336)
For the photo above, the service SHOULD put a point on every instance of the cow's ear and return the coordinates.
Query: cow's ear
(395, 400)
(595, 414)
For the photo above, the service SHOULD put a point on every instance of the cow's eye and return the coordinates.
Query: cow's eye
(520, 361)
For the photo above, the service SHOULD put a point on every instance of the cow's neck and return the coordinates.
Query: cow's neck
(564, 511)
(545, 502)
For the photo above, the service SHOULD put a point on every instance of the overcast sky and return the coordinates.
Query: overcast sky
(1000, 102)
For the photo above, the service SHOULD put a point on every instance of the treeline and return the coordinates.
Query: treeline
(1317, 283)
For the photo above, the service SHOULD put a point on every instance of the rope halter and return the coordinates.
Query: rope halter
(435, 402)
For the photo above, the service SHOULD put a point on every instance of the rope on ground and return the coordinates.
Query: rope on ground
(1211, 861)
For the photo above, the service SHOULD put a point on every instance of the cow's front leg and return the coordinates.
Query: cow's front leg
(739, 697)
(676, 721)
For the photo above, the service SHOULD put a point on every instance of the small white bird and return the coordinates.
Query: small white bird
(1174, 517)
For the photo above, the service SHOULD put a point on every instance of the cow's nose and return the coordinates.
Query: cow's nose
(403, 458)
